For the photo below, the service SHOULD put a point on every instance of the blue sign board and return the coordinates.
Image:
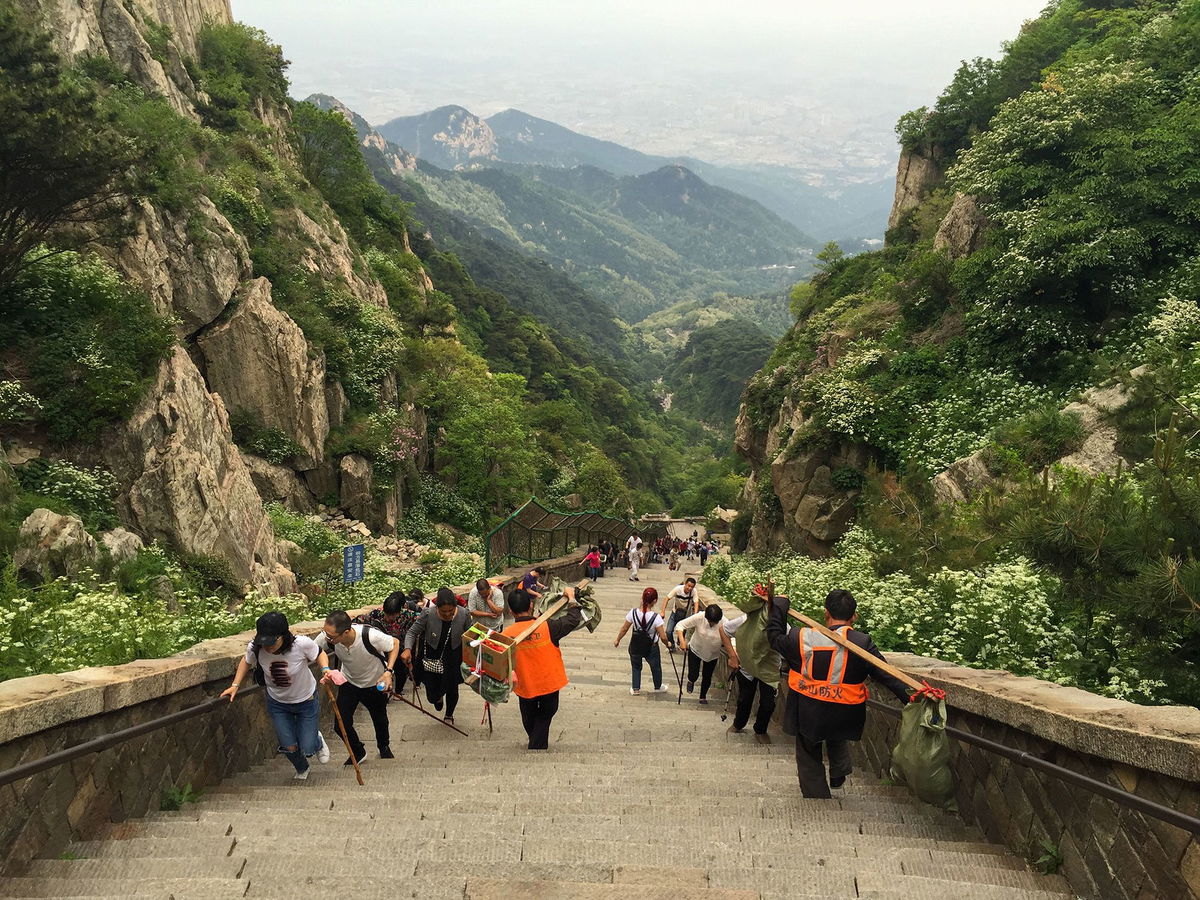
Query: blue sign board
(352, 563)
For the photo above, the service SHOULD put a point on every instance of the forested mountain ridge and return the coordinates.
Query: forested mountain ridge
(630, 247)
(1005, 398)
(452, 138)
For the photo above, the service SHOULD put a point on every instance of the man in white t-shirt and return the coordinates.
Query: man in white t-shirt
(368, 660)
(681, 602)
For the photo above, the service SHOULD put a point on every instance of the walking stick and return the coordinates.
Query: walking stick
(337, 715)
(729, 693)
(678, 677)
(426, 712)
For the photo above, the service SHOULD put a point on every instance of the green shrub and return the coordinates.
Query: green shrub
(173, 798)
(848, 478)
(1042, 435)
(237, 66)
(88, 493)
(272, 444)
(91, 342)
(16, 404)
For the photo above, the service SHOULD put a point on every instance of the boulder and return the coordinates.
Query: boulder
(192, 280)
(279, 483)
(51, 545)
(122, 545)
(963, 480)
(259, 361)
(17, 454)
(962, 230)
(184, 482)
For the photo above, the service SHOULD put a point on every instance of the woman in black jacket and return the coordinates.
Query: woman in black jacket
(436, 641)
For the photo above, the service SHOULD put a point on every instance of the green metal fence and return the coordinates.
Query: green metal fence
(535, 533)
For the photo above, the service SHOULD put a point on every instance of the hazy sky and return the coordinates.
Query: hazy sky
(792, 82)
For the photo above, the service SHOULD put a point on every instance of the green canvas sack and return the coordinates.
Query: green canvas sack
(585, 596)
(922, 755)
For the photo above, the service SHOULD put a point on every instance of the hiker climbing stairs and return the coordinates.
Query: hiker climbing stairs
(637, 797)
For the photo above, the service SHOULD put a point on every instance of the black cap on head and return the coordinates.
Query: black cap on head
(269, 628)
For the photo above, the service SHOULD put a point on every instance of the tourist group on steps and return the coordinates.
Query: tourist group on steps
(409, 636)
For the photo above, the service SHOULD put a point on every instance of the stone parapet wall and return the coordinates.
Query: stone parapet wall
(1108, 851)
(44, 714)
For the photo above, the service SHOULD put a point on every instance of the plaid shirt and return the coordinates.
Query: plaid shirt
(397, 629)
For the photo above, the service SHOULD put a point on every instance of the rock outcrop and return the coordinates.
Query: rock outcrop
(327, 254)
(115, 30)
(192, 280)
(279, 483)
(259, 361)
(51, 546)
(962, 230)
(184, 482)
(917, 173)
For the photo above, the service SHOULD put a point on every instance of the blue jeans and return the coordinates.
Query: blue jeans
(296, 729)
(654, 658)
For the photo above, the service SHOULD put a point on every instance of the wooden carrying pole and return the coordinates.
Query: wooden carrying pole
(533, 626)
(858, 651)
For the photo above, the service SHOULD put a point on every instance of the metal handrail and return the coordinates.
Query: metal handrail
(1023, 758)
(25, 770)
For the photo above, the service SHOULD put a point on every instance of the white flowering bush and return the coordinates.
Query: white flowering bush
(17, 404)
(90, 492)
(1005, 615)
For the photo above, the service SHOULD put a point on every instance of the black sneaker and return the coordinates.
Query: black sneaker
(438, 706)
(385, 752)
(837, 782)
(350, 760)
(691, 686)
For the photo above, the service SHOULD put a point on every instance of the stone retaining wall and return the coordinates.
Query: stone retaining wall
(1108, 851)
(43, 714)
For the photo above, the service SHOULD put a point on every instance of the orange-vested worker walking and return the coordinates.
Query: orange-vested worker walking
(538, 672)
(827, 705)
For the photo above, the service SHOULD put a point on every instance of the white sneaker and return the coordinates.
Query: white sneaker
(661, 689)
(302, 776)
(322, 749)
(634, 691)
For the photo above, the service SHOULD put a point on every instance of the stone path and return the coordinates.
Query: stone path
(637, 798)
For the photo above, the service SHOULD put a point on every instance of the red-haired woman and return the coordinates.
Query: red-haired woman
(648, 635)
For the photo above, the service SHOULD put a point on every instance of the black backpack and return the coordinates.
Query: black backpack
(642, 639)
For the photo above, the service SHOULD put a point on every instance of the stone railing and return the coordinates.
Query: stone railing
(44, 714)
(1107, 850)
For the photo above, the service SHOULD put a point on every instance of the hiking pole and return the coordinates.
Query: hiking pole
(337, 715)
(677, 676)
(426, 712)
(682, 670)
(729, 693)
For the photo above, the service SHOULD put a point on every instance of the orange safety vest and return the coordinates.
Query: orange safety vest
(538, 663)
(831, 688)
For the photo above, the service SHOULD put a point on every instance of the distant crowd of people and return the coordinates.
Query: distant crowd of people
(637, 553)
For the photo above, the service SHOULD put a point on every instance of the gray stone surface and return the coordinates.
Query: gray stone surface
(51, 545)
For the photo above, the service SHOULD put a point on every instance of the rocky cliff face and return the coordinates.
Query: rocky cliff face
(183, 480)
(918, 173)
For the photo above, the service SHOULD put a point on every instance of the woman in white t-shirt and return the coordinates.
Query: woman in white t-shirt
(284, 660)
(648, 631)
(710, 635)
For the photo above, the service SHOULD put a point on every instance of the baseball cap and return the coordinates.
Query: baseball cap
(270, 627)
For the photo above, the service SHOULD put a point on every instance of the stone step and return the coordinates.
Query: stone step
(1020, 878)
(136, 848)
(136, 869)
(494, 889)
(881, 886)
(164, 888)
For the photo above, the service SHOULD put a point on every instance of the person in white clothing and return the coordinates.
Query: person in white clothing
(633, 549)
(367, 657)
(485, 605)
(280, 661)
(681, 602)
(710, 635)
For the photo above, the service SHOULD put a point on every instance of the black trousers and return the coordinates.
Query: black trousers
(810, 767)
(376, 702)
(445, 686)
(536, 715)
(748, 687)
(697, 666)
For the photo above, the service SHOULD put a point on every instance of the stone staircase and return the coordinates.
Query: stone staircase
(637, 797)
